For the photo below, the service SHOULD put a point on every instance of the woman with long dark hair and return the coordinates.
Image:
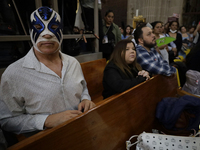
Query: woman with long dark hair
(122, 72)
(127, 32)
(185, 36)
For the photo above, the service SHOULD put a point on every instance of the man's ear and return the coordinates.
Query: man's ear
(140, 40)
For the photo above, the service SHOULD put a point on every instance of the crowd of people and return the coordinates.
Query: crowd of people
(185, 38)
(165, 59)
(52, 86)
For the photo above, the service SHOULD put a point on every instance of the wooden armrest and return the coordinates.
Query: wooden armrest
(181, 92)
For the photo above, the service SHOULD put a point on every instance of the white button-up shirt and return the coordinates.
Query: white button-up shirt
(30, 92)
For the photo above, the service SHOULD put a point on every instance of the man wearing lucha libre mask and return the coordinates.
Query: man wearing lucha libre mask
(46, 87)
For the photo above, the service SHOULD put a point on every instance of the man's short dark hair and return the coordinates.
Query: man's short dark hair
(138, 33)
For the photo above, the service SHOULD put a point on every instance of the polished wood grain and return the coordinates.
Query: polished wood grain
(110, 123)
(93, 73)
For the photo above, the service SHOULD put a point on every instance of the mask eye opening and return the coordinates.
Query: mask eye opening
(54, 27)
(38, 26)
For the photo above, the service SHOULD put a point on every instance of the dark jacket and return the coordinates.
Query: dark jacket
(115, 81)
(115, 31)
(178, 42)
(170, 109)
(193, 58)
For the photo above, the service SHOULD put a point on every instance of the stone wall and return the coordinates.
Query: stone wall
(155, 10)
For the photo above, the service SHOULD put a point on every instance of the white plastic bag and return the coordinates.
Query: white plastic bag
(152, 141)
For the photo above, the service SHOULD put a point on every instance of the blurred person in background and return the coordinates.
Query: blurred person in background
(196, 35)
(162, 50)
(127, 32)
(185, 37)
(191, 33)
(173, 32)
(112, 35)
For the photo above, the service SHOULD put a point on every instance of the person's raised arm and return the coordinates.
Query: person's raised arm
(197, 29)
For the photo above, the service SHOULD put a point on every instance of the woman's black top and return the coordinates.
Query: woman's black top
(116, 81)
(193, 58)
(108, 47)
(178, 42)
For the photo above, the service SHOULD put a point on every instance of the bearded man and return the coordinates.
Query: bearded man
(147, 56)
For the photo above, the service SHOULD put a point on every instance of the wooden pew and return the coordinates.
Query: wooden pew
(110, 123)
(93, 73)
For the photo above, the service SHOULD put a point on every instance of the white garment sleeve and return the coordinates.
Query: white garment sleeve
(85, 93)
(13, 117)
(21, 123)
(196, 38)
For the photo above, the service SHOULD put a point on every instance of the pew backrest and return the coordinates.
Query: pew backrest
(93, 73)
(110, 123)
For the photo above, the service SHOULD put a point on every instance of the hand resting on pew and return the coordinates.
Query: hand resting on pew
(85, 105)
(144, 74)
(56, 119)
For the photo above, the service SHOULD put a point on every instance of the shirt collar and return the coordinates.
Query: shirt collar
(142, 48)
(32, 62)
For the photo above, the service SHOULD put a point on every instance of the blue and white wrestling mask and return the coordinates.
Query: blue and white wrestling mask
(47, 19)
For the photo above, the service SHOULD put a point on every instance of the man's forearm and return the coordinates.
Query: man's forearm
(23, 123)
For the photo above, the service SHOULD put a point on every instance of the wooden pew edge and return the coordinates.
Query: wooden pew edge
(107, 100)
(43, 133)
(101, 59)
